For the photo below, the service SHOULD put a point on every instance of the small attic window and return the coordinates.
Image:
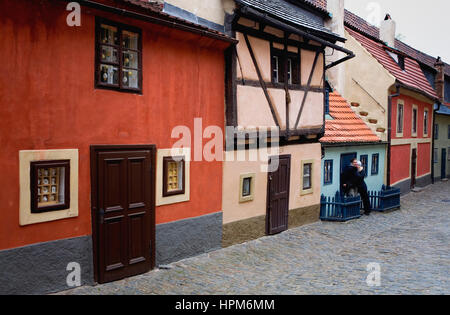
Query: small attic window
(399, 59)
(401, 62)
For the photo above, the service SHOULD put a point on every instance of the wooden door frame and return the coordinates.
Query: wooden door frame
(94, 150)
(268, 189)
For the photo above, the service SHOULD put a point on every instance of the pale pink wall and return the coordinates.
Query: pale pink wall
(307, 60)
(312, 114)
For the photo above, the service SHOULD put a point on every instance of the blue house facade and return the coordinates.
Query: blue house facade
(346, 137)
(337, 157)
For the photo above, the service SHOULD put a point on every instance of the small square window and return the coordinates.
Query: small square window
(50, 186)
(247, 187)
(285, 64)
(174, 175)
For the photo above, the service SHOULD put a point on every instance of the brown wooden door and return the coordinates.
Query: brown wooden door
(123, 211)
(278, 196)
(413, 167)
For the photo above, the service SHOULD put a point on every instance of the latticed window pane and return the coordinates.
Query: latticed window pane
(118, 62)
(49, 186)
(109, 34)
(174, 176)
(130, 40)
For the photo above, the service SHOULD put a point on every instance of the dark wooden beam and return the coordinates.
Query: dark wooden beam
(270, 37)
(316, 58)
(280, 86)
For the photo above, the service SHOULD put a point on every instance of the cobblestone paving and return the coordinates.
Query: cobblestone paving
(411, 245)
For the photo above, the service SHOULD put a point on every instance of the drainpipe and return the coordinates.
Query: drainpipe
(440, 91)
(432, 139)
(390, 97)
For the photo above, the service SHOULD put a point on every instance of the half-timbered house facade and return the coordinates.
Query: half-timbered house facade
(274, 109)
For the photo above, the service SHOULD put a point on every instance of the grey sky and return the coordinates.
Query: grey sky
(421, 24)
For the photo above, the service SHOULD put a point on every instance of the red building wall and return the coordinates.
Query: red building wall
(48, 101)
(401, 154)
(423, 164)
(400, 162)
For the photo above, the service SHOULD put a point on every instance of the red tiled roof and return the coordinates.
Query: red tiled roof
(411, 77)
(359, 24)
(319, 4)
(346, 126)
(148, 4)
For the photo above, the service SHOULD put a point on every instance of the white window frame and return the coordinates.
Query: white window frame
(400, 134)
(416, 125)
(309, 190)
(426, 113)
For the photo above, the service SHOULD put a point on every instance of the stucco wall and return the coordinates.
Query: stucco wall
(48, 101)
(374, 182)
(212, 10)
(367, 83)
(235, 211)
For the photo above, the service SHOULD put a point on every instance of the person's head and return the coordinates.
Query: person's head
(354, 162)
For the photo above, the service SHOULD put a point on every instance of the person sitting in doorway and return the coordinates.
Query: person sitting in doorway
(352, 183)
(349, 179)
(362, 188)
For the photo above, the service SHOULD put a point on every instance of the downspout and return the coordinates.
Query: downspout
(390, 97)
(432, 139)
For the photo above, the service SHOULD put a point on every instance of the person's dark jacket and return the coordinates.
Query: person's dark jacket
(349, 178)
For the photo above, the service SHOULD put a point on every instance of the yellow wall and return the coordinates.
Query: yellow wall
(212, 10)
(367, 83)
(234, 211)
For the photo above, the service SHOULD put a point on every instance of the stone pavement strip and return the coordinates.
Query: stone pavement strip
(411, 246)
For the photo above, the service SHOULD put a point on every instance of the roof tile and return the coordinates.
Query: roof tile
(359, 24)
(412, 76)
(346, 126)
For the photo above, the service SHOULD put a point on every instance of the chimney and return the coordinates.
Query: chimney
(336, 24)
(387, 31)
(440, 80)
(336, 75)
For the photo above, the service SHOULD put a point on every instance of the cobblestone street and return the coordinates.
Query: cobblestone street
(412, 246)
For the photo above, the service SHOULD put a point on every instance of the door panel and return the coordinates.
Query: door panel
(278, 197)
(123, 211)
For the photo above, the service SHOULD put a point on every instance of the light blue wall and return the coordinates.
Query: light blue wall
(374, 182)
